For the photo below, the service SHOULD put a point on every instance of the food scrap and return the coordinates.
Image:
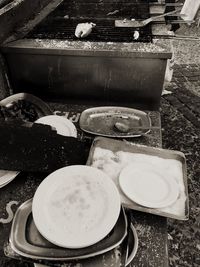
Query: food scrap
(121, 127)
(136, 35)
(66, 17)
(113, 12)
(84, 29)
(21, 109)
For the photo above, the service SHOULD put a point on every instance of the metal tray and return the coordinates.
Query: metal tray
(40, 106)
(27, 241)
(114, 146)
(102, 121)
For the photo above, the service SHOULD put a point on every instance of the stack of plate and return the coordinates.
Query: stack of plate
(76, 206)
(120, 122)
(75, 214)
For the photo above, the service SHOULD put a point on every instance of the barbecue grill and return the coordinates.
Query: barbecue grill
(107, 66)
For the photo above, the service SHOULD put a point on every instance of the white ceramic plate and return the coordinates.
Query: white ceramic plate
(147, 186)
(6, 177)
(62, 125)
(76, 206)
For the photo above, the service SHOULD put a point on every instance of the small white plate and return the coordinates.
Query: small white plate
(6, 177)
(76, 206)
(147, 186)
(62, 125)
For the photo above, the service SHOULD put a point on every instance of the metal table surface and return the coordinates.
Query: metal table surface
(151, 229)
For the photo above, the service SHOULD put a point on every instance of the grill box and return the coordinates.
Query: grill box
(107, 67)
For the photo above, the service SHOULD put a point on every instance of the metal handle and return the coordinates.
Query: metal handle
(135, 247)
(163, 15)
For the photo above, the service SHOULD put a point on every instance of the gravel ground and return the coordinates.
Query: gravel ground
(187, 51)
(180, 115)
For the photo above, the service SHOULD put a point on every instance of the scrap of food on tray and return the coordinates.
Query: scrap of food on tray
(84, 29)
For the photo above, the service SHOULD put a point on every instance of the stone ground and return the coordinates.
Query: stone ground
(180, 115)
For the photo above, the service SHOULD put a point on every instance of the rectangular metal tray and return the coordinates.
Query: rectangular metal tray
(28, 242)
(102, 120)
(112, 146)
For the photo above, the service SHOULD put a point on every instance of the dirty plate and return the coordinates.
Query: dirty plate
(62, 125)
(147, 186)
(115, 122)
(76, 206)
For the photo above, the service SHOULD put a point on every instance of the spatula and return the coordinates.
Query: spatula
(141, 23)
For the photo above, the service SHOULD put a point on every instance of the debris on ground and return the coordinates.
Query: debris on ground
(113, 12)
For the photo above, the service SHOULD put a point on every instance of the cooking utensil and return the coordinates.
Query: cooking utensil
(182, 37)
(141, 23)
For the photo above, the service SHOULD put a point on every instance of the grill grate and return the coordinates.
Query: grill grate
(61, 23)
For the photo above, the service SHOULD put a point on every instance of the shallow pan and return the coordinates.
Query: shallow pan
(110, 149)
(117, 122)
(27, 241)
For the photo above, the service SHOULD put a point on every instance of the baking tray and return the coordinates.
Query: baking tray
(111, 148)
(28, 242)
(102, 121)
(127, 251)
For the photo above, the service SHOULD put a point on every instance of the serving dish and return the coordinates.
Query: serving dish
(111, 121)
(111, 156)
(26, 240)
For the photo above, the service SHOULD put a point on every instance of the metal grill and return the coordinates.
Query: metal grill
(61, 23)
